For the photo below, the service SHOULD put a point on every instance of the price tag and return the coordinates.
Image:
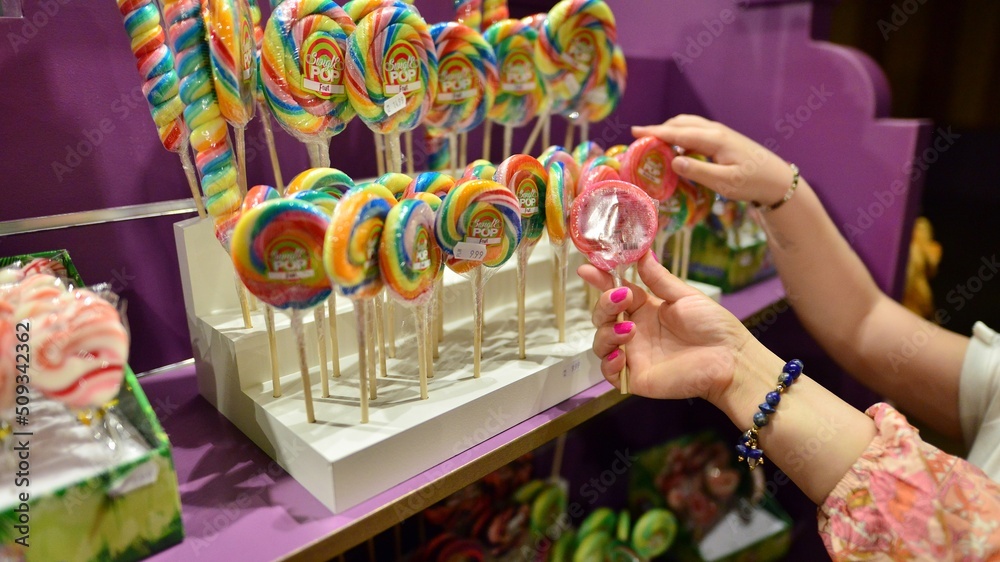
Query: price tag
(470, 252)
(394, 104)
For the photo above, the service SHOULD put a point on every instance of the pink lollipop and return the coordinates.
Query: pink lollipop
(613, 223)
(646, 163)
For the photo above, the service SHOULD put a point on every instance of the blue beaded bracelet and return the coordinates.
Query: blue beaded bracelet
(747, 449)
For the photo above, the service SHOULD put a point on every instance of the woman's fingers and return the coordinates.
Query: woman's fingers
(706, 140)
(626, 299)
(661, 282)
(595, 277)
(610, 337)
(721, 178)
(612, 365)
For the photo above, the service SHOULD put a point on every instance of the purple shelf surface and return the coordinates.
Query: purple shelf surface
(237, 503)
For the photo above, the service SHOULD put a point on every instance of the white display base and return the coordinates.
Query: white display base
(339, 460)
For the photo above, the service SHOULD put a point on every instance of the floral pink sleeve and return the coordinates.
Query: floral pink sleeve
(907, 500)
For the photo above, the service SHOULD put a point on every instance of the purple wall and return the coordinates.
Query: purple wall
(68, 72)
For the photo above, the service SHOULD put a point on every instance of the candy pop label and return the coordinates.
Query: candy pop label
(422, 255)
(288, 260)
(651, 167)
(485, 227)
(323, 66)
(518, 72)
(527, 195)
(580, 53)
(456, 80)
(401, 70)
(246, 48)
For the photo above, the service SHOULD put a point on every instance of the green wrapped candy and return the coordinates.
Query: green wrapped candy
(601, 520)
(654, 533)
(527, 492)
(548, 507)
(622, 552)
(562, 550)
(624, 525)
(595, 547)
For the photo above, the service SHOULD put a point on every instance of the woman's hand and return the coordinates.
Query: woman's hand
(742, 170)
(680, 343)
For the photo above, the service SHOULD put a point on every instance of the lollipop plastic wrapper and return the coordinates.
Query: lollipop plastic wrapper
(479, 228)
(411, 263)
(277, 251)
(350, 253)
(613, 223)
(302, 71)
(527, 179)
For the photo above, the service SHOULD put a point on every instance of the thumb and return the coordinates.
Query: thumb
(661, 282)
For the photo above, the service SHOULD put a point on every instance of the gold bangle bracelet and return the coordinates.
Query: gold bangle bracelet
(788, 194)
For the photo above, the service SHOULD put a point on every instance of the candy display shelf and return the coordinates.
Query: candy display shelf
(238, 504)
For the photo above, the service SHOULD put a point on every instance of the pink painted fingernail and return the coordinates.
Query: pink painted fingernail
(618, 295)
(623, 328)
(613, 355)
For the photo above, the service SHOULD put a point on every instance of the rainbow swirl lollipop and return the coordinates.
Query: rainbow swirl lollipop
(277, 249)
(479, 169)
(409, 257)
(575, 48)
(647, 164)
(302, 68)
(321, 199)
(616, 151)
(391, 54)
(430, 182)
(470, 13)
(596, 174)
(525, 177)
(209, 135)
(232, 51)
(522, 93)
(411, 263)
(572, 168)
(467, 78)
(329, 180)
(479, 213)
(258, 195)
(600, 101)
(351, 246)
(395, 182)
(494, 11)
(558, 194)
(156, 68)
(587, 151)
(358, 9)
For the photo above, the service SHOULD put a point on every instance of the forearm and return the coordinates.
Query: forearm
(814, 437)
(888, 348)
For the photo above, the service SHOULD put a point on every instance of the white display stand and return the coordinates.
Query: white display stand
(341, 461)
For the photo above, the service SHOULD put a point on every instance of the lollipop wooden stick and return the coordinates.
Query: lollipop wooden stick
(360, 307)
(241, 158)
(272, 150)
(508, 141)
(487, 139)
(477, 336)
(623, 375)
(409, 154)
(331, 305)
(272, 345)
(380, 334)
(370, 338)
(192, 180)
(300, 342)
(241, 294)
(319, 318)
(535, 131)
(420, 313)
